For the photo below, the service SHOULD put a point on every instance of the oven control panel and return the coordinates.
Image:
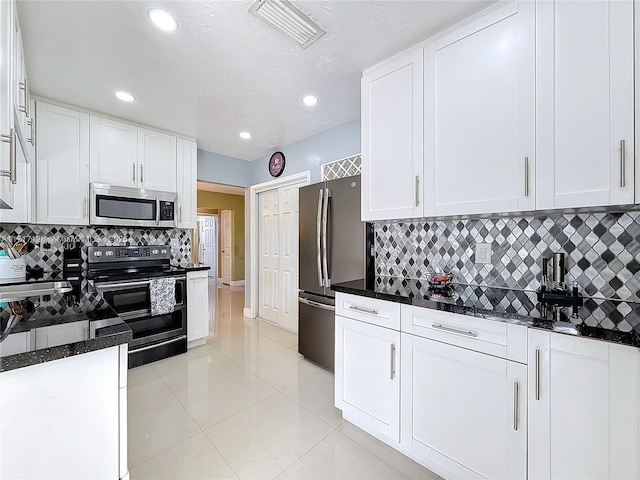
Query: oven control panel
(128, 253)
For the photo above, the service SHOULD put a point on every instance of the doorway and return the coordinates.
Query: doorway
(208, 246)
(226, 218)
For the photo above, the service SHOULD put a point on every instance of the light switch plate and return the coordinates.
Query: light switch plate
(483, 253)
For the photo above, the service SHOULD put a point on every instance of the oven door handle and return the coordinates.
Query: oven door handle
(114, 286)
(107, 286)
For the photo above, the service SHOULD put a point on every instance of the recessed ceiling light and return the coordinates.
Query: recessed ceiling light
(124, 96)
(245, 135)
(310, 100)
(162, 20)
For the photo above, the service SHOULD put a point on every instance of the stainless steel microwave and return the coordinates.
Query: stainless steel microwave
(136, 207)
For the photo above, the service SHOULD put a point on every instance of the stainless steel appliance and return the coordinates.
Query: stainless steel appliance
(335, 246)
(122, 275)
(112, 205)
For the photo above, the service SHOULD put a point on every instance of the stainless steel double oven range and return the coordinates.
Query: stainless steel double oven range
(123, 276)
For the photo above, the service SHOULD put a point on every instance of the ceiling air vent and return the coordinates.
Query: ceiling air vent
(288, 20)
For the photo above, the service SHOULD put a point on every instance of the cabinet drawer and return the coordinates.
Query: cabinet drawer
(370, 310)
(479, 334)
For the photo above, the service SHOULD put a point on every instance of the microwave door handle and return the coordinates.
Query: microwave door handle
(157, 211)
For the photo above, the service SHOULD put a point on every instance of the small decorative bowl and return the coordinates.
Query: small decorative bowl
(439, 280)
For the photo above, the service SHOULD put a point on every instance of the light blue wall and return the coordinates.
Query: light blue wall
(217, 168)
(308, 154)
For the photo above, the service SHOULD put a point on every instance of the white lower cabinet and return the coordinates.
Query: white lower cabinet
(197, 307)
(463, 411)
(67, 418)
(367, 376)
(584, 418)
(480, 399)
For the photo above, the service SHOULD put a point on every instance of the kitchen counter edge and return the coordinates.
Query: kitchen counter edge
(631, 339)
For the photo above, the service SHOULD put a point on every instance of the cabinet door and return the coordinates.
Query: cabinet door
(8, 139)
(464, 410)
(62, 166)
(367, 376)
(584, 113)
(22, 211)
(480, 97)
(392, 117)
(114, 152)
(583, 408)
(156, 160)
(197, 305)
(71, 406)
(19, 79)
(187, 171)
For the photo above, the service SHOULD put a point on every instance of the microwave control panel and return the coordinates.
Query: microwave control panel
(166, 210)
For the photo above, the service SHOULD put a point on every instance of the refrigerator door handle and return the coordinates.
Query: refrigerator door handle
(318, 243)
(325, 221)
(311, 303)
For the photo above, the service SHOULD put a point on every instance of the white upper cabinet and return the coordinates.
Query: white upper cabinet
(187, 180)
(114, 152)
(584, 114)
(128, 156)
(62, 166)
(156, 161)
(480, 106)
(392, 139)
(584, 419)
(7, 139)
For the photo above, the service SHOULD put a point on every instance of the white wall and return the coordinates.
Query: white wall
(308, 154)
(217, 168)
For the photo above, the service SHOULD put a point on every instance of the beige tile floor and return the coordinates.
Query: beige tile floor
(246, 405)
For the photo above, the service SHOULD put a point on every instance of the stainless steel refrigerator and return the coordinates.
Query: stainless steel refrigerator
(335, 247)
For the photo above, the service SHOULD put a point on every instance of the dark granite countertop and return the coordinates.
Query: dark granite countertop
(192, 267)
(43, 328)
(609, 320)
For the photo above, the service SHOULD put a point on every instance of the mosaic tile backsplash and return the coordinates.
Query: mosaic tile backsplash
(602, 250)
(49, 241)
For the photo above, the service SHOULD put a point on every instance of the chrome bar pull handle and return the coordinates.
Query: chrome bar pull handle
(134, 173)
(623, 163)
(417, 190)
(318, 239)
(11, 140)
(393, 361)
(357, 308)
(516, 405)
(141, 178)
(468, 333)
(23, 87)
(537, 374)
(31, 139)
(526, 176)
(325, 246)
(85, 208)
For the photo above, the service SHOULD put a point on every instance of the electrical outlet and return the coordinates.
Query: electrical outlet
(483, 253)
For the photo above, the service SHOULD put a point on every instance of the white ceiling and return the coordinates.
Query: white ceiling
(223, 71)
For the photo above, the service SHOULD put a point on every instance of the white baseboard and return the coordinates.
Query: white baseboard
(197, 343)
(247, 312)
